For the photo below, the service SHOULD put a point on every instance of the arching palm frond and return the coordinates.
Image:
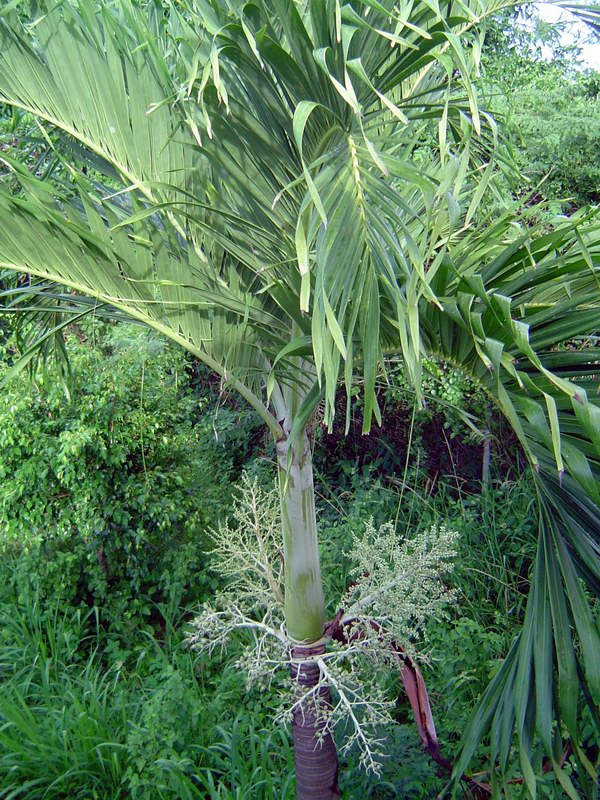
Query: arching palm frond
(235, 128)
(522, 312)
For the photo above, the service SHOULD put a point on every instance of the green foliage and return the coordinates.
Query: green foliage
(144, 718)
(558, 128)
(105, 498)
(63, 718)
(496, 549)
(247, 761)
(550, 107)
(308, 103)
(406, 772)
(448, 391)
(74, 724)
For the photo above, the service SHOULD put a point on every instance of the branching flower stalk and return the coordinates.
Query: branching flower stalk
(397, 582)
(249, 552)
(396, 589)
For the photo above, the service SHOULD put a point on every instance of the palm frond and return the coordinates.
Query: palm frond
(97, 76)
(514, 308)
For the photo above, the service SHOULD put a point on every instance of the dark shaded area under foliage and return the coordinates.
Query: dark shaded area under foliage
(454, 459)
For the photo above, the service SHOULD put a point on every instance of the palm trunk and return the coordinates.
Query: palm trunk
(315, 754)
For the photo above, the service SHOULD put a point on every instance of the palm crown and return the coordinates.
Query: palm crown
(289, 190)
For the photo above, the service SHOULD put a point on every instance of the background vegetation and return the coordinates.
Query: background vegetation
(549, 102)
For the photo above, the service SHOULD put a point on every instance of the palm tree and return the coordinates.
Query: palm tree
(260, 183)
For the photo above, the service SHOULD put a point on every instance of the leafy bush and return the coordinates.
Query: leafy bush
(550, 106)
(561, 125)
(106, 499)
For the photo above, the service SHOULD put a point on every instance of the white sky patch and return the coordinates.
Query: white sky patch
(576, 31)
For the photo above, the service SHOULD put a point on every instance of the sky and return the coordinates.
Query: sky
(590, 56)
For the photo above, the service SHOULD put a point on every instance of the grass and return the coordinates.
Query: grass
(74, 726)
(87, 714)
(63, 717)
(246, 763)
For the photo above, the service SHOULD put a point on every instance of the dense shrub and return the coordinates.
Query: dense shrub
(551, 108)
(106, 498)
